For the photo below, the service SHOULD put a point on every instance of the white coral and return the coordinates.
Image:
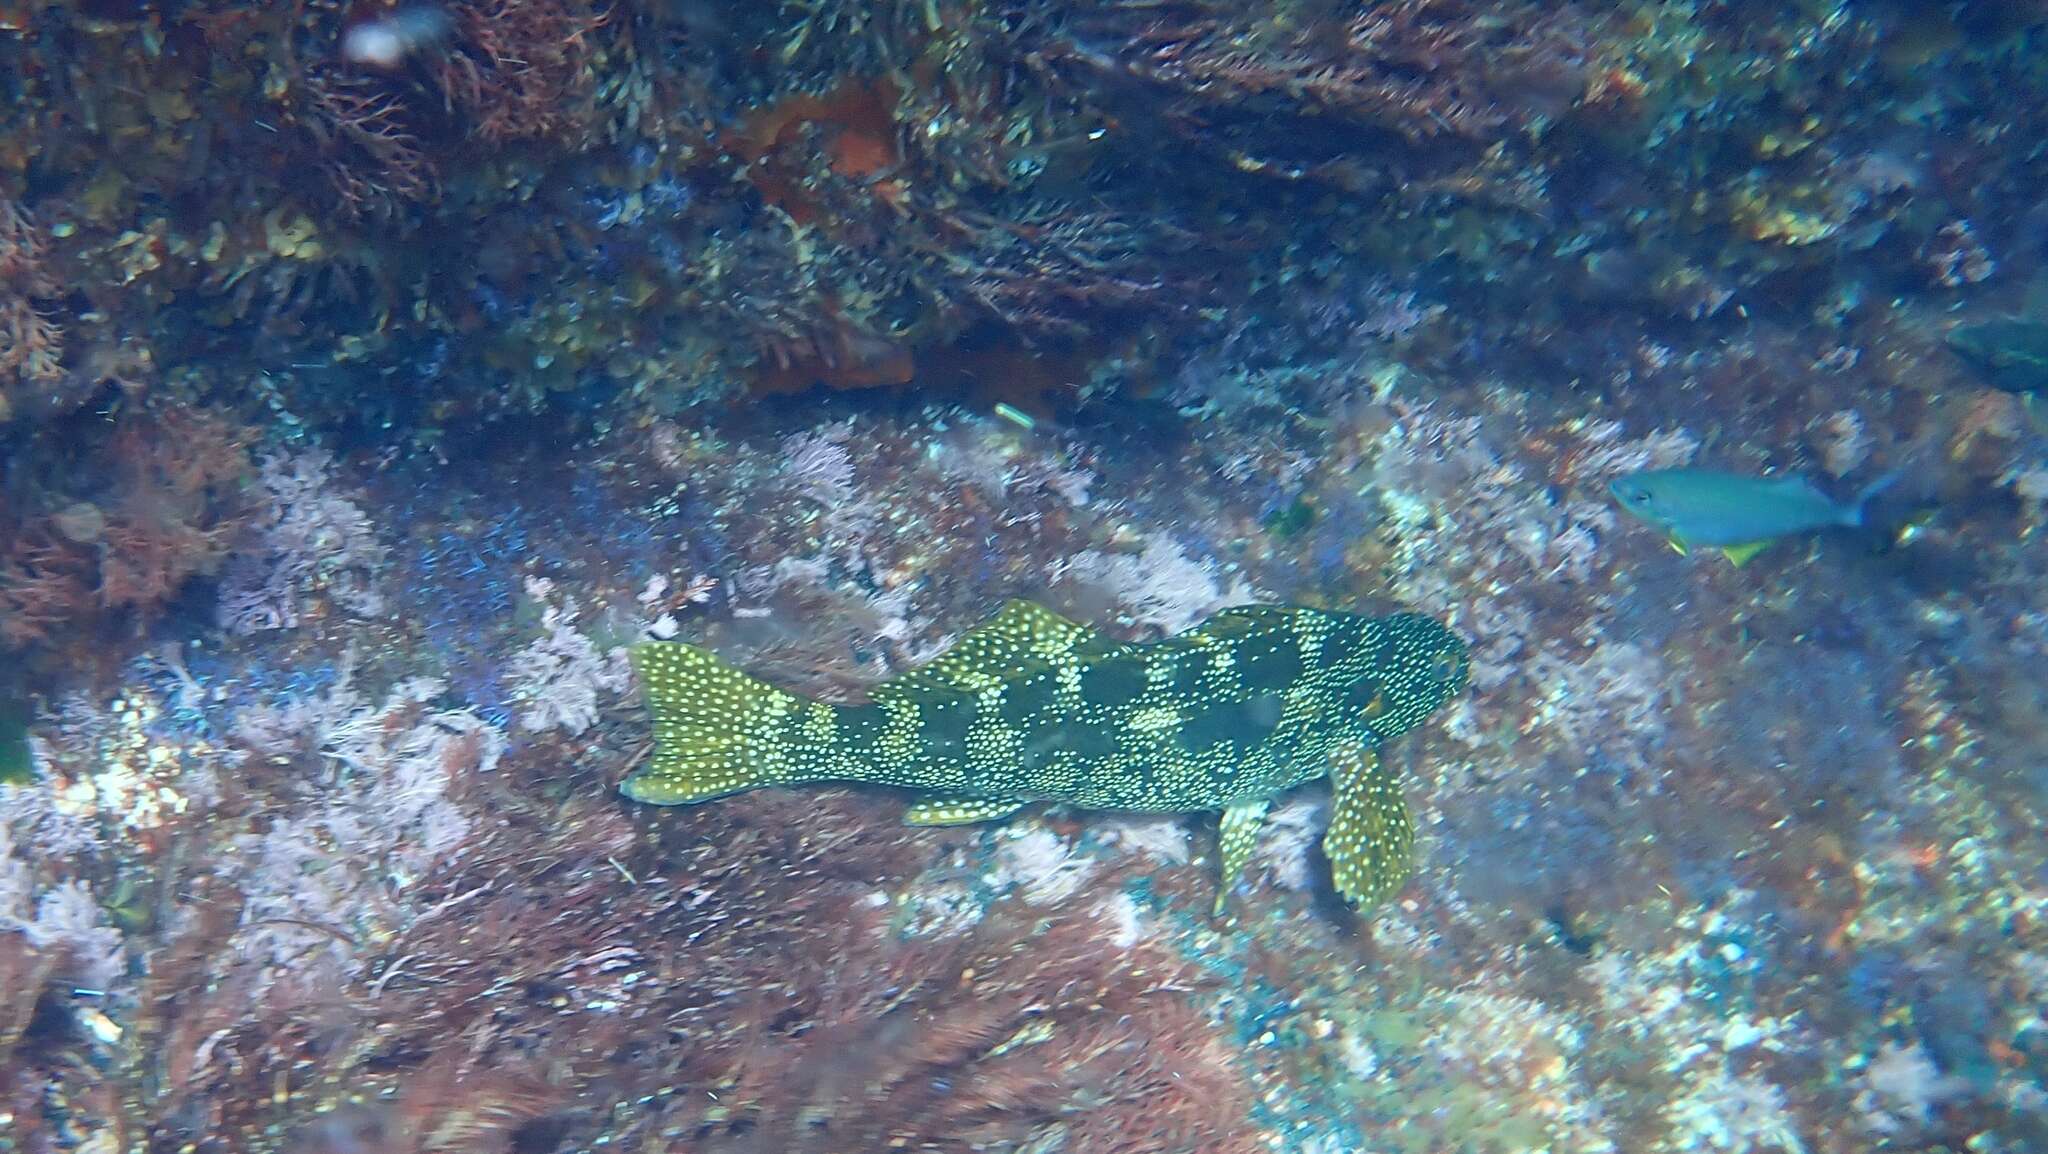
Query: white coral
(385, 814)
(1902, 1084)
(310, 542)
(1161, 585)
(1287, 841)
(64, 919)
(1738, 1113)
(819, 466)
(68, 919)
(1041, 865)
(1607, 695)
(1162, 838)
(560, 678)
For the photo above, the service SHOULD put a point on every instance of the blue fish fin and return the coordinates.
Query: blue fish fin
(1238, 835)
(1739, 555)
(959, 810)
(1855, 514)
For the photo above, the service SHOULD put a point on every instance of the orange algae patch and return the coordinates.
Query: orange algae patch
(1009, 372)
(860, 140)
(983, 372)
(857, 361)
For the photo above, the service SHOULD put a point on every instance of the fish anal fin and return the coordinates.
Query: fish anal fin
(1371, 841)
(1739, 555)
(682, 782)
(960, 810)
(1237, 836)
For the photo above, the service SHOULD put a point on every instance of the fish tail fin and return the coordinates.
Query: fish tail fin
(1856, 514)
(717, 730)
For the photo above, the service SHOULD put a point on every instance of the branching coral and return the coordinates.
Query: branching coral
(307, 547)
(142, 513)
(366, 145)
(558, 680)
(31, 344)
(520, 69)
(1419, 70)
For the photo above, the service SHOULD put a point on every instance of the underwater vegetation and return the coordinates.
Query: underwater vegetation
(377, 380)
(2013, 354)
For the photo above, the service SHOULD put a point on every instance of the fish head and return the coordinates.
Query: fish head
(1441, 655)
(1414, 665)
(1638, 493)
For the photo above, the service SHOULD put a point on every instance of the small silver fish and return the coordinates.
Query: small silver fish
(389, 40)
(1736, 514)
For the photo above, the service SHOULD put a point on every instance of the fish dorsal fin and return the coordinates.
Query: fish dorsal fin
(1242, 619)
(1023, 636)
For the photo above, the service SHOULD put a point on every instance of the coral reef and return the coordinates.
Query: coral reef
(669, 206)
(104, 541)
(31, 345)
(357, 409)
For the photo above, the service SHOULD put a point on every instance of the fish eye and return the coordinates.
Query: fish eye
(1446, 666)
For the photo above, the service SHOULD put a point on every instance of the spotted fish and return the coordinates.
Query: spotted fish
(1033, 707)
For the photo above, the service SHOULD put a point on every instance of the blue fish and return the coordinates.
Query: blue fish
(1737, 515)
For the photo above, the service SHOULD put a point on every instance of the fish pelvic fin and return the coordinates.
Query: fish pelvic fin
(1371, 841)
(1238, 836)
(717, 730)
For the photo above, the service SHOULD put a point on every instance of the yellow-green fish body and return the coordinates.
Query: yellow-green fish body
(1033, 707)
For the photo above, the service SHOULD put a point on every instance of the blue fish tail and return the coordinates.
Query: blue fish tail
(1856, 514)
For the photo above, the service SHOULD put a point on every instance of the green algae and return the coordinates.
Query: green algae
(15, 763)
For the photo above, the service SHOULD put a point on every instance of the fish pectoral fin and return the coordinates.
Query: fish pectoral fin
(1371, 841)
(1739, 555)
(959, 810)
(1237, 836)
